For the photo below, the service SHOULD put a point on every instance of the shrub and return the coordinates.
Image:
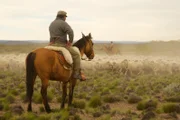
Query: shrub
(41, 109)
(79, 104)
(134, 98)
(10, 98)
(5, 106)
(172, 88)
(141, 105)
(23, 97)
(7, 115)
(95, 102)
(50, 96)
(111, 99)
(77, 117)
(28, 116)
(82, 96)
(64, 115)
(146, 104)
(171, 107)
(97, 114)
(37, 98)
(14, 92)
(173, 99)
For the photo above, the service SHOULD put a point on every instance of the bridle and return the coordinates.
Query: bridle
(87, 53)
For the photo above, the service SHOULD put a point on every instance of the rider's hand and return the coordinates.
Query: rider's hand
(69, 44)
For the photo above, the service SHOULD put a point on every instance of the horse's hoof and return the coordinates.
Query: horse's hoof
(48, 111)
(29, 109)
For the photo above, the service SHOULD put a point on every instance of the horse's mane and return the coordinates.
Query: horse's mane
(81, 42)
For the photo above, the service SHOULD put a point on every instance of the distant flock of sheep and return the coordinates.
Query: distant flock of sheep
(126, 65)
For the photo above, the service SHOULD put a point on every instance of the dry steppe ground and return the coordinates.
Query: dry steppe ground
(128, 82)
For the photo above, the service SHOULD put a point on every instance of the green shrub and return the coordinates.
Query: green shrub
(79, 104)
(111, 98)
(105, 91)
(14, 92)
(23, 97)
(7, 115)
(134, 98)
(59, 99)
(171, 107)
(82, 95)
(50, 96)
(41, 109)
(37, 98)
(28, 116)
(44, 117)
(173, 99)
(141, 105)
(97, 114)
(5, 105)
(146, 104)
(64, 115)
(77, 117)
(95, 102)
(10, 98)
(172, 89)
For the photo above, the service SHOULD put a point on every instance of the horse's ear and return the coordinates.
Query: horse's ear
(90, 35)
(83, 35)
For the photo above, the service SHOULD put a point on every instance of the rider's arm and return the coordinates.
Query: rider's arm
(69, 31)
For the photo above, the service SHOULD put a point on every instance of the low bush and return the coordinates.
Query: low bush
(95, 102)
(79, 104)
(171, 107)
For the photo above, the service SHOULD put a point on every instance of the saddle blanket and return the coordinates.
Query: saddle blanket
(64, 51)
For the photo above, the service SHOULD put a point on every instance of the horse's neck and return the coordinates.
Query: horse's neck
(81, 51)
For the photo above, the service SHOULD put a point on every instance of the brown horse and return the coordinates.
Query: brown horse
(49, 65)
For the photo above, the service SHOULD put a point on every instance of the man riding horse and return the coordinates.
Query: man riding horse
(59, 29)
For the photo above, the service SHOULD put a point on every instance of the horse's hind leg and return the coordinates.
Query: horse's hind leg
(64, 87)
(44, 95)
(71, 91)
(30, 93)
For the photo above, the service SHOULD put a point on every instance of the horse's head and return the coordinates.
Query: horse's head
(85, 46)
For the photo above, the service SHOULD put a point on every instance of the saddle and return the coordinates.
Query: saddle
(64, 55)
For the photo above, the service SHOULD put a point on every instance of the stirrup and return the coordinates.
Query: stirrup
(80, 77)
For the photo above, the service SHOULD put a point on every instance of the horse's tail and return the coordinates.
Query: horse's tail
(30, 74)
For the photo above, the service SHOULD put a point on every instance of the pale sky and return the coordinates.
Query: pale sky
(110, 20)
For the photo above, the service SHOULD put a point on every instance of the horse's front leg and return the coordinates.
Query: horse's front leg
(64, 88)
(71, 91)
